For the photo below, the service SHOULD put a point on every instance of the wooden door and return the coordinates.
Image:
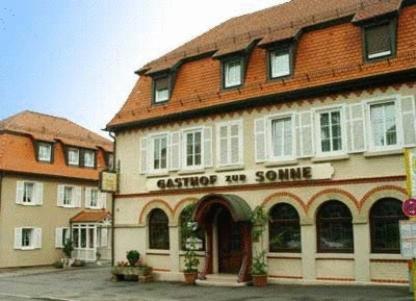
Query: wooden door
(230, 248)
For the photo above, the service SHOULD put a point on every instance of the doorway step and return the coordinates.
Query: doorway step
(226, 280)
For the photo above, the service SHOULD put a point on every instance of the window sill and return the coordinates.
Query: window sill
(230, 168)
(157, 175)
(198, 253)
(280, 163)
(377, 153)
(326, 158)
(335, 256)
(191, 171)
(29, 205)
(386, 256)
(284, 255)
(27, 248)
(157, 252)
(68, 207)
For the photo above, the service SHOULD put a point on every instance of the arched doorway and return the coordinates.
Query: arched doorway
(226, 220)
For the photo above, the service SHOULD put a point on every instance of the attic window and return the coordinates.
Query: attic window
(44, 152)
(280, 62)
(232, 73)
(379, 40)
(161, 89)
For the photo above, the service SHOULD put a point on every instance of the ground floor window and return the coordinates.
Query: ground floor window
(27, 238)
(284, 229)
(184, 218)
(334, 228)
(384, 225)
(158, 230)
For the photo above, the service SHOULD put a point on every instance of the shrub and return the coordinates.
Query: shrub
(58, 264)
(133, 257)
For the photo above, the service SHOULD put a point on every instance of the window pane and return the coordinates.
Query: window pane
(26, 237)
(280, 64)
(83, 238)
(89, 158)
(383, 124)
(282, 137)
(158, 230)
(331, 134)
(233, 73)
(284, 229)
(67, 195)
(161, 89)
(44, 152)
(378, 41)
(28, 192)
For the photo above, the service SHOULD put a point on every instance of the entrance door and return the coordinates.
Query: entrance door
(230, 254)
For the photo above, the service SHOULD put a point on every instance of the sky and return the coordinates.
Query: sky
(76, 58)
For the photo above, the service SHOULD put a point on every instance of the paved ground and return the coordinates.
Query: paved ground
(95, 285)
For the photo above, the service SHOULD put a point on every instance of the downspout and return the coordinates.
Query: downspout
(1, 185)
(113, 206)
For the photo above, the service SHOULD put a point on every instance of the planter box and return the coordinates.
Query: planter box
(141, 274)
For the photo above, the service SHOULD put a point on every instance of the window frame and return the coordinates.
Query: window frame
(229, 124)
(152, 138)
(224, 63)
(154, 85)
(282, 48)
(31, 245)
(317, 131)
(69, 149)
(33, 196)
(94, 153)
(184, 153)
(392, 24)
(97, 206)
(51, 150)
(269, 143)
(72, 200)
(399, 132)
(150, 225)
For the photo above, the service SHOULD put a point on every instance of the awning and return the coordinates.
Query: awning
(91, 217)
(238, 207)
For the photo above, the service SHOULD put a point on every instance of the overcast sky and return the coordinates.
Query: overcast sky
(77, 59)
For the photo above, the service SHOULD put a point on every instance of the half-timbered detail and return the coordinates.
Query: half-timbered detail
(303, 108)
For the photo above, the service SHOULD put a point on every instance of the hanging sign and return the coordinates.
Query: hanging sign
(108, 181)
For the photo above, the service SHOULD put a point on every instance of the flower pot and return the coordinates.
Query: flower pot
(259, 280)
(190, 277)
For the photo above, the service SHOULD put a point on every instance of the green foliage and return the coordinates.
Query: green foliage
(58, 264)
(68, 248)
(133, 257)
(189, 235)
(259, 266)
(186, 218)
(259, 220)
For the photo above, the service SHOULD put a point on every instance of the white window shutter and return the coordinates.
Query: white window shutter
(38, 238)
(17, 238)
(175, 151)
(356, 130)
(260, 140)
(102, 200)
(58, 238)
(235, 147)
(143, 155)
(87, 197)
(222, 144)
(19, 192)
(78, 197)
(207, 146)
(60, 195)
(298, 136)
(39, 193)
(104, 237)
(306, 134)
(408, 120)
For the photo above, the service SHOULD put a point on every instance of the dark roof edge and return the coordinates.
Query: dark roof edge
(318, 91)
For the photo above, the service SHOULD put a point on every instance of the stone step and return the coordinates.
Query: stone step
(225, 280)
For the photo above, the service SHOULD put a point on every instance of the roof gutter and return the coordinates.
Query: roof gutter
(312, 92)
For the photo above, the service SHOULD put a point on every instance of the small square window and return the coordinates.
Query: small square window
(279, 63)
(161, 89)
(89, 158)
(233, 73)
(378, 41)
(73, 156)
(44, 152)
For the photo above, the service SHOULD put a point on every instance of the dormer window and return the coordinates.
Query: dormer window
(232, 73)
(161, 91)
(89, 158)
(280, 62)
(73, 156)
(379, 40)
(44, 152)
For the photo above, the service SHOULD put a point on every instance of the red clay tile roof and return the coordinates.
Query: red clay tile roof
(17, 152)
(91, 216)
(324, 56)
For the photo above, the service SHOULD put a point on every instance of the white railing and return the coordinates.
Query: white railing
(84, 254)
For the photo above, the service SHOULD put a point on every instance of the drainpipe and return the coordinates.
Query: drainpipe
(113, 199)
(1, 185)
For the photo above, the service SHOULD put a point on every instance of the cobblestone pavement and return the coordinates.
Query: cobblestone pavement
(96, 285)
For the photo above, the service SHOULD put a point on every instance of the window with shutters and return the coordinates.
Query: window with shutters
(383, 125)
(27, 237)
(282, 138)
(380, 40)
(193, 148)
(330, 133)
(385, 216)
(158, 230)
(28, 192)
(232, 72)
(280, 62)
(62, 235)
(89, 158)
(161, 89)
(44, 151)
(230, 143)
(73, 156)
(159, 158)
(334, 228)
(284, 229)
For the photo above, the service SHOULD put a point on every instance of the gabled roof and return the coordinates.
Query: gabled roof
(51, 128)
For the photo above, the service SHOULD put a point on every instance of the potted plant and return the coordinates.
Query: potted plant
(189, 235)
(133, 257)
(259, 269)
(68, 249)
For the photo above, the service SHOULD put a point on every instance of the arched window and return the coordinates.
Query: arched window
(334, 228)
(158, 230)
(183, 219)
(384, 225)
(284, 229)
